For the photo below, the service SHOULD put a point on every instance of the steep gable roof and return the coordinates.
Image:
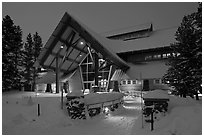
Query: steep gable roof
(70, 41)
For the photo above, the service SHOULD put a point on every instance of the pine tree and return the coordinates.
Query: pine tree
(37, 48)
(28, 61)
(11, 54)
(32, 49)
(185, 72)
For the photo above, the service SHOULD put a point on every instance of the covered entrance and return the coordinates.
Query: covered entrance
(68, 47)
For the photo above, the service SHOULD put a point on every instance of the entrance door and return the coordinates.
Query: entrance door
(146, 85)
(115, 86)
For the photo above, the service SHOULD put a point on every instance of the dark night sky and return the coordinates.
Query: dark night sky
(100, 17)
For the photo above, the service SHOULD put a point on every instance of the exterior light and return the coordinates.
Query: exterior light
(106, 110)
(81, 43)
(80, 55)
(61, 47)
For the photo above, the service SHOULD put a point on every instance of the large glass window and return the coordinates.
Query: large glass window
(88, 73)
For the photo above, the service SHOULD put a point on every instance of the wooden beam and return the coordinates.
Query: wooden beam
(57, 74)
(109, 77)
(72, 45)
(61, 31)
(71, 71)
(70, 38)
(53, 68)
(96, 68)
(90, 54)
(69, 59)
(76, 58)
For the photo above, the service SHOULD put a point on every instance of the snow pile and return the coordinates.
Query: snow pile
(19, 119)
(182, 121)
(184, 117)
(176, 101)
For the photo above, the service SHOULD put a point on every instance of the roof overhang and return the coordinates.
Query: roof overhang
(69, 42)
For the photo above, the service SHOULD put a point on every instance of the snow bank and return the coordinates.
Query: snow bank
(184, 117)
(182, 121)
(19, 119)
(176, 101)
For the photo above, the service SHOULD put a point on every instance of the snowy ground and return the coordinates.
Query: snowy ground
(19, 116)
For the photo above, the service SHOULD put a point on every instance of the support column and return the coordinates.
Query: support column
(57, 74)
(96, 69)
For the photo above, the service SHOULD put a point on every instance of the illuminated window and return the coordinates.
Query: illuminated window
(157, 81)
(129, 82)
(157, 56)
(168, 54)
(164, 56)
(124, 82)
(174, 54)
(148, 57)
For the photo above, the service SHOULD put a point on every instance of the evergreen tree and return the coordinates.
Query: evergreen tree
(185, 72)
(32, 49)
(11, 54)
(28, 61)
(37, 48)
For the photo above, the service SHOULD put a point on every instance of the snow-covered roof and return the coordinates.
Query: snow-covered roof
(99, 43)
(158, 38)
(154, 69)
(65, 42)
(127, 30)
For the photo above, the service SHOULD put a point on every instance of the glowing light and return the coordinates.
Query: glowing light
(37, 94)
(62, 47)
(81, 43)
(106, 110)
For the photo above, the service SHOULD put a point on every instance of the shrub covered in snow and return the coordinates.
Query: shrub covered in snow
(94, 103)
(155, 102)
(75, 107)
